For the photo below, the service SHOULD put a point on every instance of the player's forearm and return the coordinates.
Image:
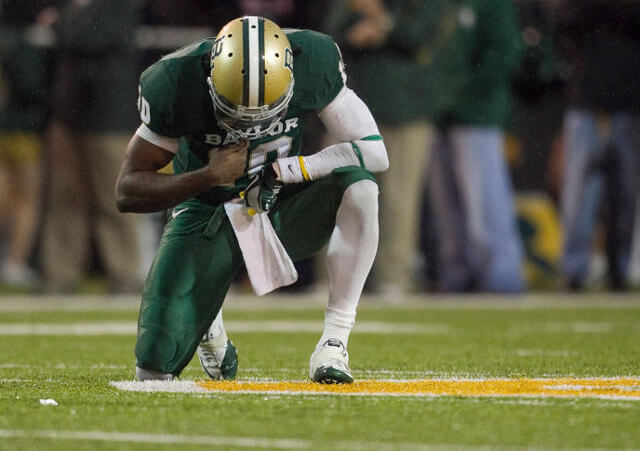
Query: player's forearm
(368, 154)
(147, 192)
(347, 119)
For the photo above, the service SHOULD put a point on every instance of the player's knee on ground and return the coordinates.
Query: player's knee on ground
(162, 335)
(151, 375)
(155, 348)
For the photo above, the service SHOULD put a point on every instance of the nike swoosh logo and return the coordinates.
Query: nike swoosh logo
(291, 168)
(176, 213)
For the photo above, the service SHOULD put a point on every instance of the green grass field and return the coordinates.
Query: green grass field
(71, 349)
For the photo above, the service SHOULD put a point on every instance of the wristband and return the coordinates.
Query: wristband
(303, 168)
(293, 170)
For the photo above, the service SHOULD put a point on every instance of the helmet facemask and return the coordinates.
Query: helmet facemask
(246, 122)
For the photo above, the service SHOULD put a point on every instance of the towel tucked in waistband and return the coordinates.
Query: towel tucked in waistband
(268, 263)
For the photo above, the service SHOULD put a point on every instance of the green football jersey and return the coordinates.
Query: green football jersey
(175, 102)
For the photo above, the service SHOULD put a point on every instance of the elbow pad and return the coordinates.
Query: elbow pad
(348, 119)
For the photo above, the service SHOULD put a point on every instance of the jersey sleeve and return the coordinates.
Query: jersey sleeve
(322, 76)
(157, 101)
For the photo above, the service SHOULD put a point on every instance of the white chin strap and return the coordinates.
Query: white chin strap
(225, 110)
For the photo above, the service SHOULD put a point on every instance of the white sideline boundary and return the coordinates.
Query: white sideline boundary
(215, 441)
(286, 326)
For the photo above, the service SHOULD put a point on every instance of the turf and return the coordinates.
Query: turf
(525, 337)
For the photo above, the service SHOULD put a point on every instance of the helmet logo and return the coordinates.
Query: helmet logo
(288, 59)
(216, 49)
(252, 89)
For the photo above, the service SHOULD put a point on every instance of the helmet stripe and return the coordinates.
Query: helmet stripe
(254, 63)
(245, 57)
(261, 70)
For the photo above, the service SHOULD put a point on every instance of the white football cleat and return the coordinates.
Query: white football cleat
(219, 361)
(329, 363)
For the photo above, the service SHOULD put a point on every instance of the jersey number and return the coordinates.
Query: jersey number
(144, 108)
(268, 153)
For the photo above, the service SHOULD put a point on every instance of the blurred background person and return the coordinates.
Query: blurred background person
(93, 111)
(23, 83)
(601, 42)
(286, 11)
(531, 130)
(386, 46)
(301, 14)
(478, 53)
(415, 62)
(192, 13)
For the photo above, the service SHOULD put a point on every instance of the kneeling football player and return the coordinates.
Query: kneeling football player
(229, 113)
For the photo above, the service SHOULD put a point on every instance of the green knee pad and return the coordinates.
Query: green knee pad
(155, 349)
(167, 335)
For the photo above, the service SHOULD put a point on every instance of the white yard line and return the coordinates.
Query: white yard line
(134, 437)
(64, 366)
(546, 353)
(17, 380)
(129, 327)
(242, 302)
(96, 328)
(579, 327)
(216, 441)
(297, 326)
(242, 442)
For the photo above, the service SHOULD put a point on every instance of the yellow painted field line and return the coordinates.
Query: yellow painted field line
(623, 388)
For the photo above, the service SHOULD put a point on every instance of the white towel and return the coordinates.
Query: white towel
(268, 264)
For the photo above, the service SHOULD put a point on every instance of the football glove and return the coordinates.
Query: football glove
(262, 191)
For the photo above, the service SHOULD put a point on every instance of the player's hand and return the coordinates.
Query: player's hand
(228, 163)
(262, 192)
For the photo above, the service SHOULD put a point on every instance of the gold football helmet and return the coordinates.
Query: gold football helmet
(251, 80)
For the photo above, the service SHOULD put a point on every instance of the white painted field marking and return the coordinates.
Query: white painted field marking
(594, 327)
(134, 437)
(381, 373)
(159, 386)
(213, 441)
(129, 327)
(520, 401)
(579, 327)
(546, 352)
(64, 366)
(620, 388)
(8, 381)
(262, 326)
(240, 302)
(88, 328)
(573, 387)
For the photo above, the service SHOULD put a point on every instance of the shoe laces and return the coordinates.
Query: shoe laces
(335, 345)
(212, 353)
